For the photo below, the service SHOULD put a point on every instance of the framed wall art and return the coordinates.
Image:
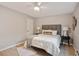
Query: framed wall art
(74, 23)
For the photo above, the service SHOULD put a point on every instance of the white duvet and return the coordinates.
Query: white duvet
(49, 43)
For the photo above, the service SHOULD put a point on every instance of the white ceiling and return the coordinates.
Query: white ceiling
(52, 8)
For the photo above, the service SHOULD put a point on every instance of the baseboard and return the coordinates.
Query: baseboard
(11, 46)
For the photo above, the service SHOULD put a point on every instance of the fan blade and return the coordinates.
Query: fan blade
(39, 3)
(43, 7)
(29, 4)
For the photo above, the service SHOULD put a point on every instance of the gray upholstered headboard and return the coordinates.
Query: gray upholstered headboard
(52, 27)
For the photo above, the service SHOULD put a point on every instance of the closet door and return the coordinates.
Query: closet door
(29, 28)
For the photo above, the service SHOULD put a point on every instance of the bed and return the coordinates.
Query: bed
(47, 42)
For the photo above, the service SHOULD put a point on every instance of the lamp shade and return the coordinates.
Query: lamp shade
(65, 31)
(38, 28)
(65, 28)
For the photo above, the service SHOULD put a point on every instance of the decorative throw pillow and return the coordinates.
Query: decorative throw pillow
(54, 32)
(47, 32)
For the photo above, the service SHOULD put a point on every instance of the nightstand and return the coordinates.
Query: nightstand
(63, 38)
(36, 33)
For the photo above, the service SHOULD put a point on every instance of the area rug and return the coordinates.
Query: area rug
(64, 51)
(25, 51)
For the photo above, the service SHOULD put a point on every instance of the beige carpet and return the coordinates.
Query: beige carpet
(25, 51)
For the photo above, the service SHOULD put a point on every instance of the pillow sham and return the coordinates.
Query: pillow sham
(49, 32)
(54, 32)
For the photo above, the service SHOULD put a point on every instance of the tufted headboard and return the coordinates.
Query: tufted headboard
(52, 27)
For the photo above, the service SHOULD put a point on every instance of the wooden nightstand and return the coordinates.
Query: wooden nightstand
(63, 38)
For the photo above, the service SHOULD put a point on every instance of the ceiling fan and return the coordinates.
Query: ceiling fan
(38, 6)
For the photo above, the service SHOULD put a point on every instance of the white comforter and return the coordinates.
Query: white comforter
(47, 42)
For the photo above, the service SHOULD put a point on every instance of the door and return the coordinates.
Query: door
(29, 27)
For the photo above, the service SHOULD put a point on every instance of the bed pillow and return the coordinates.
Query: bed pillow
(54, 32)
(47, 32)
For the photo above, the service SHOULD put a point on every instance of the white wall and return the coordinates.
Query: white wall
(13, 27)
(64, 20)
(76, 32)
